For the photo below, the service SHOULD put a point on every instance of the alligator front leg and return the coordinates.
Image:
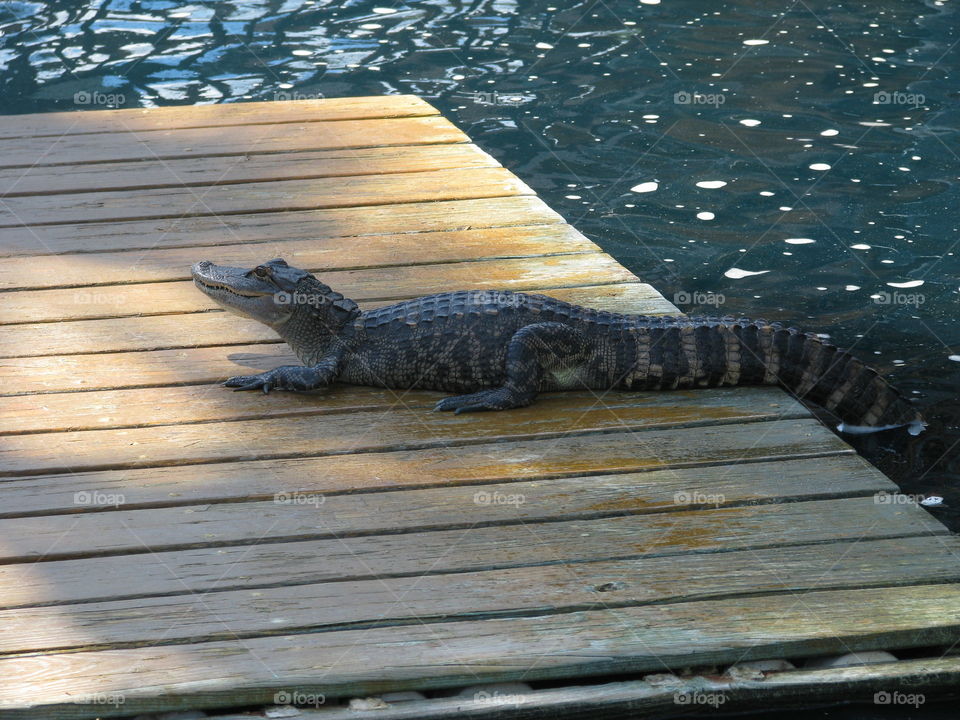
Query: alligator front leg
(288, 377)
(533, 349)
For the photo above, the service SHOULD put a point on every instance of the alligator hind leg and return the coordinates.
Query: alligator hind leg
(533, 350)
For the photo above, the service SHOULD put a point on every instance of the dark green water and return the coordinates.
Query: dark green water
(837, 128)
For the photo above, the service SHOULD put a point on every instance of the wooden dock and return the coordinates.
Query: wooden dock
(169, 544)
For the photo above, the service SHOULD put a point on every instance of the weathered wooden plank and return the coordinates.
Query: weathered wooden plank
(222, 170)
(272, 196)
(268, 564)
(424, 510)
(266, 227)
(924, 680)
(317, 254)
(402, 428)
(419, 656)
(381, 283)
(241, 140)
(223, 115)
(569, 456)
(552, 588)
(57, 369)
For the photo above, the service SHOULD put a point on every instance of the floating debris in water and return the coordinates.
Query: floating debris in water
(799, 241)
(830, 133)
(737, 273)
(860, 246)
(645, 187)
(711, 184)
(932, 501)
(908, 284)
(819, 166)
(750, 123)
(756, 42)
(705, 215)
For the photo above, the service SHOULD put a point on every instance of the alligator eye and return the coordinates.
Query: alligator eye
(262, 272)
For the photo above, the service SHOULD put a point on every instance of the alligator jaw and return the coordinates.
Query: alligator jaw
(238, 292)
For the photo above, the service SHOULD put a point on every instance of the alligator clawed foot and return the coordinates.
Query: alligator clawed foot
(250, 382)
(496, 399)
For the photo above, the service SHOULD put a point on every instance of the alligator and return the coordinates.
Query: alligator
(498, 349)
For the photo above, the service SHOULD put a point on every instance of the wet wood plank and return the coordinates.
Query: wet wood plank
(214, 116)
(340, 223)
(551, 588)
(242, 140)
(624, 640)
(56, 179)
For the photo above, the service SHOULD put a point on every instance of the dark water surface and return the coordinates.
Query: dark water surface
(832, 124)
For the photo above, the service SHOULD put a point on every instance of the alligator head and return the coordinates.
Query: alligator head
(305, 312)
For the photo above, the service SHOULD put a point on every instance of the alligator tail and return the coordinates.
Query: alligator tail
(816, 371)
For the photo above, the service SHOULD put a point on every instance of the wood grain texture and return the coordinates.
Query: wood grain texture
(268, 564)
(550, 588)
(271, 196)
(214, 116)
(341, 223)
(395, 429)
(318, 255)
(298, 515)
(624, 640)
(568, 456)
(71, 148)
(57, 179)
